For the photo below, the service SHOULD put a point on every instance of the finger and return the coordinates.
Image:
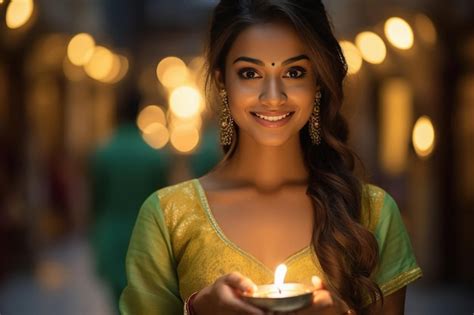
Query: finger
(240, 307)
(317, 283)
(239, 282)
(322, 299)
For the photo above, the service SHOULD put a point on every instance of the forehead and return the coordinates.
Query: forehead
(269, 42)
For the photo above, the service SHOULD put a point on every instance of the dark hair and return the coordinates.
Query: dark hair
(347, 251)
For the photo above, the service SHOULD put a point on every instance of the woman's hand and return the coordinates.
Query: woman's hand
(324, 303)
(223, 297)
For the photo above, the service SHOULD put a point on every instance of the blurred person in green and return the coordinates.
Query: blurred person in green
(123, 172)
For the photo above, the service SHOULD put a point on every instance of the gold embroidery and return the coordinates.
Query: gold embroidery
(400, 281)
(397, 283)
(372, 203)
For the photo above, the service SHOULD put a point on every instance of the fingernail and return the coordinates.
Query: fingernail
(250, 288)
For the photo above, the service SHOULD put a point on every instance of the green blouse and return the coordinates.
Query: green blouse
(177, 248)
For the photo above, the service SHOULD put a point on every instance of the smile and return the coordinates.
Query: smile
(273, 120)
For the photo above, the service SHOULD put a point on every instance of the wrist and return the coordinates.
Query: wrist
(188, 305)
(344, 308)
(199, 301)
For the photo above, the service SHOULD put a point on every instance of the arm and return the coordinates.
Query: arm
(394, 304)
(152, 286)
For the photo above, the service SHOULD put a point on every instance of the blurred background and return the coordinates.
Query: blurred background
(101, 103)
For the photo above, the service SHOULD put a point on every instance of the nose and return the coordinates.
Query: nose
(273, 93)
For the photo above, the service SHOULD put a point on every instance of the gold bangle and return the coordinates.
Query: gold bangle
(187, 304)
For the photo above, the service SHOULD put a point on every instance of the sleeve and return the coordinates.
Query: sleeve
(152, 282)
(397, 265)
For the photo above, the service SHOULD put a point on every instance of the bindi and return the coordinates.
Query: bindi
(273, 64)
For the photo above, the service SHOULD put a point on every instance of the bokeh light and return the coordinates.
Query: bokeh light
(149, 115)
(423, 137)
(18, 13)
(185, 101)
(395, 114)
(194, 121)
(399, 33)
(172, 72)
(119, 69)
(100, 64)
(156, 135)
(124, 65)
(80, 49)
(184, 138)
(372, 47)
(352, 56)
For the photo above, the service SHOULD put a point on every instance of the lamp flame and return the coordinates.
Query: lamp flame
(280, 274)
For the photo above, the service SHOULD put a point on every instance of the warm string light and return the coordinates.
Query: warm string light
(99, 63)
(352, 56)
(399, 33)
(172, 72)
(80, 49)
(156, 135)
(423, 137)
(19, 13)
(185, 101)
(184, 138)
(183, 85)
(152, 122)
(371, 47)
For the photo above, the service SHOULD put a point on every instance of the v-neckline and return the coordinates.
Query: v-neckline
(205, 204)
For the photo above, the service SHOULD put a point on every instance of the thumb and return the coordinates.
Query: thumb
(317, 283)
(238, 281)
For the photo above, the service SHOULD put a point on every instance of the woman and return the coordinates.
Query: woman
(285, 191)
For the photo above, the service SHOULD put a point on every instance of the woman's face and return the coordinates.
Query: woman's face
(270, 83)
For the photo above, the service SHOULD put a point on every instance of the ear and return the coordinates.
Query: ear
(219, 77)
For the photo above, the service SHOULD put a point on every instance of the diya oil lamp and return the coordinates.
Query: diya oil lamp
(280, 296)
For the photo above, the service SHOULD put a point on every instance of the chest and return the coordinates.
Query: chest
(269, 227)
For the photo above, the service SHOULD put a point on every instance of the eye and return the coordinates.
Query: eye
(248, 74)
(296, 73)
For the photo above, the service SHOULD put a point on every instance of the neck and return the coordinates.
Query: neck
(268, 168)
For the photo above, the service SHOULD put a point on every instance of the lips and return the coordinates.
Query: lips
(272, 119)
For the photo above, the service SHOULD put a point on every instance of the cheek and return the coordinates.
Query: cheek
(304, 96)
(242, 96)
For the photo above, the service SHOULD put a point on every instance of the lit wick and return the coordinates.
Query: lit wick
(279, 279)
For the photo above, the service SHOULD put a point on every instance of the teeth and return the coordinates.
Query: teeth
(272, 118)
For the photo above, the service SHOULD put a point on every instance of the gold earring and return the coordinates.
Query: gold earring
(226, 122)
(314, 123)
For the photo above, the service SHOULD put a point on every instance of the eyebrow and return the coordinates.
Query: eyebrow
(261, 63)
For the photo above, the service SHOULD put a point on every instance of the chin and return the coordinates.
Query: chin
(272, 141)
